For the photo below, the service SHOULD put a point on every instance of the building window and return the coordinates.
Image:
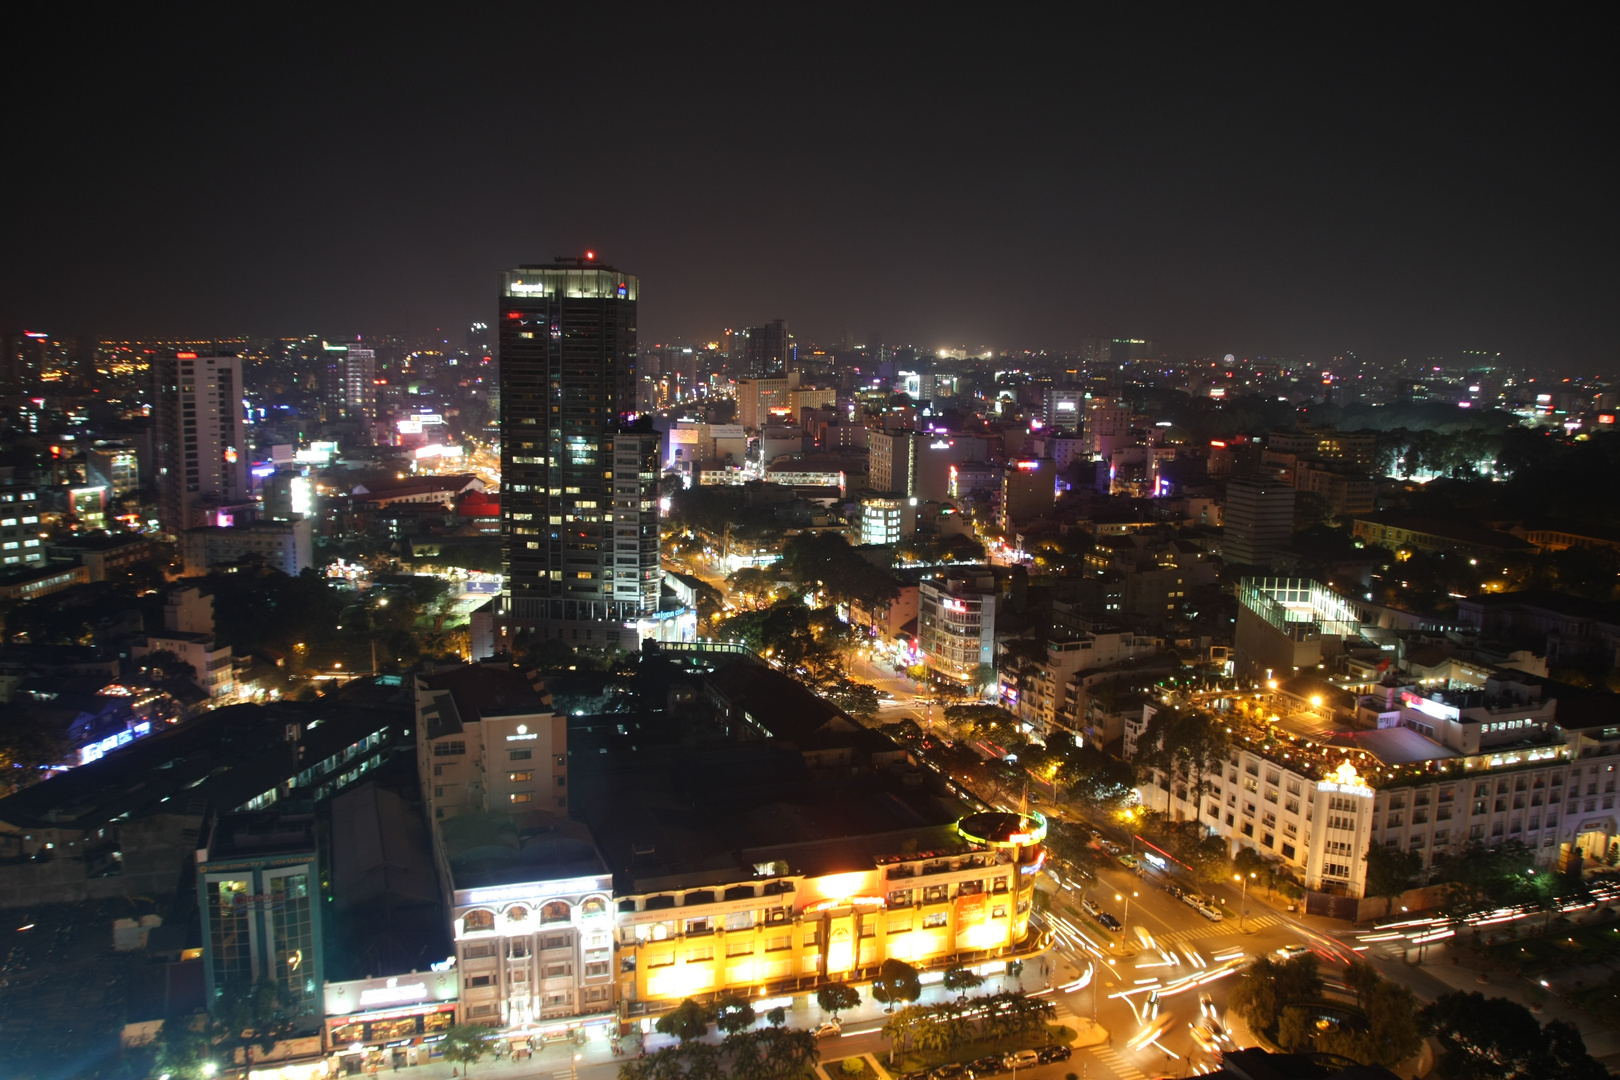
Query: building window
(556, 911)
(450, 748)
(521, 796)
(519, 755)
(933, 920)
(474, 921)
(520, 777)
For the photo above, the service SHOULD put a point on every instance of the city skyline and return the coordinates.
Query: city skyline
(1305, 193)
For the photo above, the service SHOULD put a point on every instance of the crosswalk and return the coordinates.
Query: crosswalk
(1116, 1063)
(1220, 929)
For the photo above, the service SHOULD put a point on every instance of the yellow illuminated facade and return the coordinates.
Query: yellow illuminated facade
(791, 932)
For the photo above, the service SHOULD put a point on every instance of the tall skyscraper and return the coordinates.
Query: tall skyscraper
(1258, 522)
(579, 491)
(360, 387)
(200, 450)
(768, 349)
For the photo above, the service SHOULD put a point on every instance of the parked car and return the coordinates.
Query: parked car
(1049, 1054)
(985, 1066)
(948, 1071)
(1173, 889)
(1210, 913)
(1109, 921)
(1128, 860)
(1089, 906)
(1021, 1059)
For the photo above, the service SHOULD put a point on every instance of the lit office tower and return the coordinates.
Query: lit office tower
(768, 349)
(200, 452)
(579, 493)
(360, 387)
(1258, 522)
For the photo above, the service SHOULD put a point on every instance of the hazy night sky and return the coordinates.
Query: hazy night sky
(968, 176)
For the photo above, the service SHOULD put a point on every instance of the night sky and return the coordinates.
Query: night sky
(982, 177)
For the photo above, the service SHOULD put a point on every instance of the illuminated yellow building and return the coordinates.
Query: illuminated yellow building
(834, 911)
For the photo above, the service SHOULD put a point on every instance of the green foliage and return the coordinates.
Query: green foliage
(467, 1044)
(1497, 1039)
(1270, 986)
(1479, 876)
(1393, 1033)
(1185, 746)
(897, 981)
(734, 1013)
(183, 1052)
(852, 1066)
(1295, 1031)
(858, 699)
(686, 1022)
(1361, 977)
(835, 997)
(252, 1016)
(1390, 871)
(826, 562)
(960, 981)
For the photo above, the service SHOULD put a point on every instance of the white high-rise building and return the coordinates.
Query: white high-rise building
(199, 443)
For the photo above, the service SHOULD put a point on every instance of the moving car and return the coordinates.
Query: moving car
(1109, 921)
(1288, 952)
(1128, 860)
(829, 1029)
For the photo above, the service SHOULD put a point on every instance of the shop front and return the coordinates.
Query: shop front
(387, 1022)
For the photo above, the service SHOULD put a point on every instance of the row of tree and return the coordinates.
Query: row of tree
(772, 1053)
(939, 1029)
(1280, 999)
(1481, 1038)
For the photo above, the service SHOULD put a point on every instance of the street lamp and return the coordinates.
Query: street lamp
(1127, 920)
(1243, 904)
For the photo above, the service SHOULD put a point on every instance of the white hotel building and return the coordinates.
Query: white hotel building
(1438, 773)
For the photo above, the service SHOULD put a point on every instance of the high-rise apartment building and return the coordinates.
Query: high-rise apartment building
(200, 450)
(757, 398)
(360, 387)
(579, 493)
(892, 462)
(1028, 490)
(1061, 408)
(1258, 520)
(1107, 426)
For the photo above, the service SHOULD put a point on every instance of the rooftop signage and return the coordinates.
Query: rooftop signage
(533, 890)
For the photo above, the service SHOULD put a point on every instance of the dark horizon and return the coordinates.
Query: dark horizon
(1217, 185)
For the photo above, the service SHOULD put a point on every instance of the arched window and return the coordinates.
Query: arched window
(556, 911)
(478, 920)
(517, 913)
(593, 905)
